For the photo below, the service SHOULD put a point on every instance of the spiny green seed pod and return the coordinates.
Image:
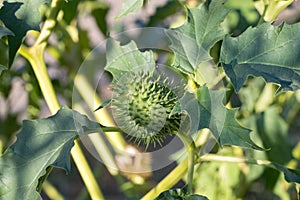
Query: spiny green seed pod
(142, 104)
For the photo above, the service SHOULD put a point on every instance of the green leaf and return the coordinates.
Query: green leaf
(2, 68)
(122, 59)
(290, 175)
(218, 180)
(130, 6)
(70, 10)
(273, 131)
(5, 31)
(192, 42)
(20, 16)
(179, 194)
(100, 13)
(216, 117)
(103, 105)
(266, 51)
(40, 144)
(170, 8)
(221, 121)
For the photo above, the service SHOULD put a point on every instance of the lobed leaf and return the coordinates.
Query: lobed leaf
(192, 41)
(216, 117)
(40, 144)
(267, 51)
(20, 16)
(122, 59)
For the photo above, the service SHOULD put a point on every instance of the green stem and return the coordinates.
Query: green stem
(35, 55)
(171, 179)
(51, 191)
(231, 159)
(87, 92)
(190, 146)
(177, 173)
(261, 19)
(103, 129)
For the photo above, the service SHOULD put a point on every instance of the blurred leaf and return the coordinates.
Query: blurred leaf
(40, 144)
(255, 171)
(218, 180)
(70, 10)
(250, 94)
(122, 59)
(100, 16)
(8, 126)
(170, 8)
(242, 15)
(290, 175)
(20, 16)
(130, 6)
(273, 131)
(246, 8)
(267, 51)
(2, 68)
(192, 42)
(179, 194)
(5, 31)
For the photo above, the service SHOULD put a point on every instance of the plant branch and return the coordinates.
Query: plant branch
(35, 55)
(168, 181)
(232, 159)
(51, 191)
(86, 91)
(177, 173)
(102, 129)
(190, 146)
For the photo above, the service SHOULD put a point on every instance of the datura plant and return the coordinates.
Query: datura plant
(147, 106)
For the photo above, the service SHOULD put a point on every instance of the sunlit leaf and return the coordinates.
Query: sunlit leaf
(217, 180)
(215, 116)
(40, 144)
(20, 16)
(267, 51)
(122, 59)
(192, 42)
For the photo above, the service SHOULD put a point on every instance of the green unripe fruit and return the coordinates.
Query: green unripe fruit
(142, 104)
